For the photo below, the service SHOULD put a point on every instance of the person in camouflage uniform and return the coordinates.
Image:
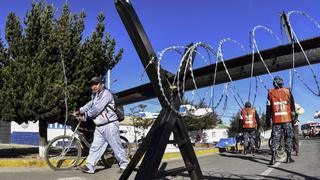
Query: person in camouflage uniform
(249, 123)
(281, 109)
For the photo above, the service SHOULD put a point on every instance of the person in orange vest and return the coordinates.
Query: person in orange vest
(281, 109)
(249, 123)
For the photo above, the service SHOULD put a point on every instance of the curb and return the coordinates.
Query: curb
(22, 162)
(201, 152)
(33, 162)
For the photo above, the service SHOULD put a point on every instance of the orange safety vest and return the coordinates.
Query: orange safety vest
(281, 105)
(249, 118)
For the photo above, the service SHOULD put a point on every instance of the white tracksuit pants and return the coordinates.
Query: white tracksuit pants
(104, 135)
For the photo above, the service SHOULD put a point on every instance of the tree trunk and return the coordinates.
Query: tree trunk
(43, 133)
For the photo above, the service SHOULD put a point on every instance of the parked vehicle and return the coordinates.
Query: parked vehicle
(310, 129)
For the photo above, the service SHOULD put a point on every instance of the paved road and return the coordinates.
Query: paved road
(236, 166)
(217, 166)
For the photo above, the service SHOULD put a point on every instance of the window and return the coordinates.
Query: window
(305, 127)
(213, 134)
(225, 134)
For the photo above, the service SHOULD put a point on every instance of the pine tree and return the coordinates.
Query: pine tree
(13, 35)
(33, 85)
(12, 75)
(4, 61)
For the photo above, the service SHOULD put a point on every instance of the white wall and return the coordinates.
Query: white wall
(56, 129)
(24, 127)
(33, 127)
(214, 135)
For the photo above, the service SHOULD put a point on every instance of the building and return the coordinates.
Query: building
(189, 109)
(214, 135)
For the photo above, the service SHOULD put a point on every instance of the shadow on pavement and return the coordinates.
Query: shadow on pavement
(297, 174)
(246, 157)
(212, 175)
(18, 152)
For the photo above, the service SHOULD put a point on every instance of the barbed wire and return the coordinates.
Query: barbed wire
(188, 66)
(295, 37)
(255, 47)
(220, 57)
(178, 85)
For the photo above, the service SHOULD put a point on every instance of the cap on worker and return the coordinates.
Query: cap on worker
(278, 78)
(95, 80)
(247, 105)
(278, 81)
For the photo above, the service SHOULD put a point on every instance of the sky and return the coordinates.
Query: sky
(180, 22)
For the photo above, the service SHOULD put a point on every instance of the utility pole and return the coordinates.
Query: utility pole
(108, 78)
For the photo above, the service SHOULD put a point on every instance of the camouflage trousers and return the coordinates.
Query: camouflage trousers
(277, 133)
(249, 136)
(295, 139)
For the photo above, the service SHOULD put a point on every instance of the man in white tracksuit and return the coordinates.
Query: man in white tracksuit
(107, 127)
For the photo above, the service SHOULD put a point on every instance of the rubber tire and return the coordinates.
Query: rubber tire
(51, 146)
(269, 142)
(258, 144)
(280, 149)
(109, 159)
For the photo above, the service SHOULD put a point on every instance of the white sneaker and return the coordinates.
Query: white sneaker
(122, 168)
(85, 169)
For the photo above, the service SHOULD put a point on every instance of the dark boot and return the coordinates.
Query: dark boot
(289, 159)
(273, 158)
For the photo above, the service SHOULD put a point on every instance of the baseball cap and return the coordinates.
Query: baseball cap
(95, 80)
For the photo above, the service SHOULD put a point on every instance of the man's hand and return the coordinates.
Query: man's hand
(82, 119)
(76, 113)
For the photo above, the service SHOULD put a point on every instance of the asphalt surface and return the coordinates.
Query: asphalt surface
(14, 155)
(237, 166)
(226, 165)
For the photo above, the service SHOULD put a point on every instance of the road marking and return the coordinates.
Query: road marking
(268, 171)
(73, 178)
